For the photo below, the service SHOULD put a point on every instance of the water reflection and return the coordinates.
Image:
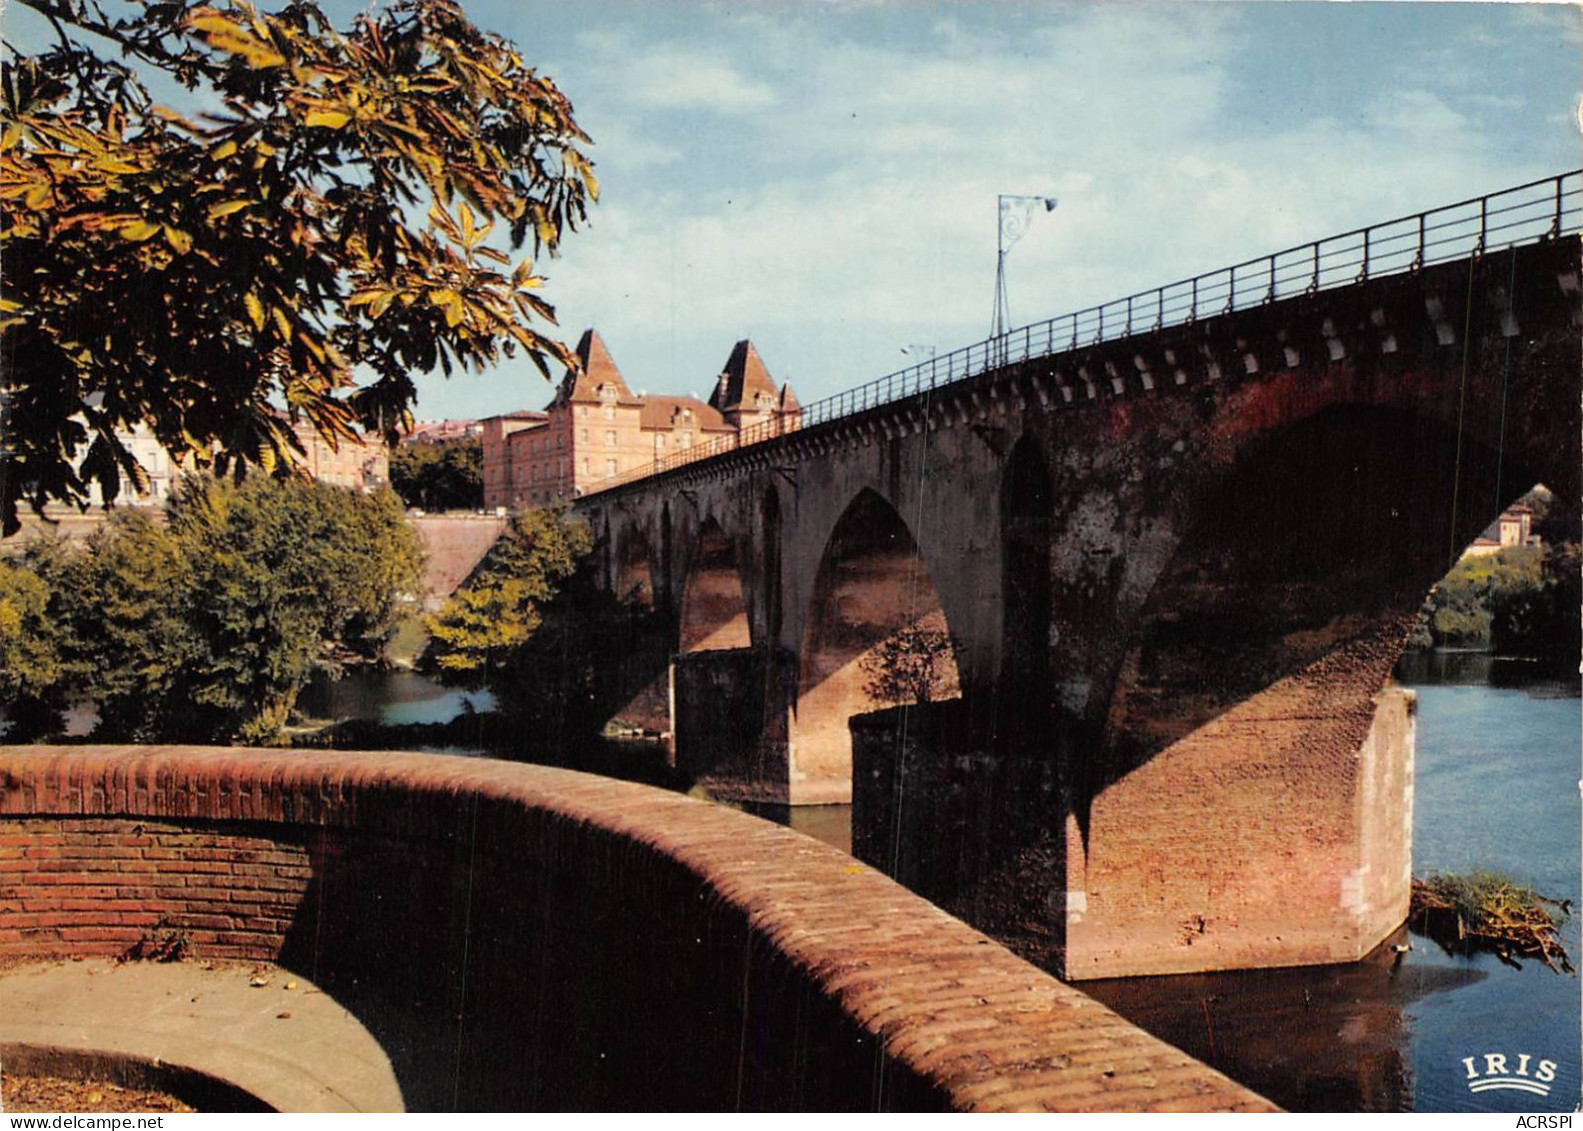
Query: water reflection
(1316, 1038)
(390, 698)
(831, 824)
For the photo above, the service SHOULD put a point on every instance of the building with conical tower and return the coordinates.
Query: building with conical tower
(596, 428)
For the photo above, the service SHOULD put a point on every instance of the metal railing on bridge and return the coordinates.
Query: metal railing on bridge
(1529, 213)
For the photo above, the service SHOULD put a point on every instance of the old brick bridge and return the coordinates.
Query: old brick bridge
(1169, 548)
(1167, 551)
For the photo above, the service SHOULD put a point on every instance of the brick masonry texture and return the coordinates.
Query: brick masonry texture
(578, 942)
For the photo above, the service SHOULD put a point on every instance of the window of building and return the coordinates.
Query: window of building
(610, 412)
(585, 465)
(610, 439)
(687, 439)
(610, 467)
(582, 435)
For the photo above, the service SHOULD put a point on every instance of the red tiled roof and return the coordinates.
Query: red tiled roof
(659, 414)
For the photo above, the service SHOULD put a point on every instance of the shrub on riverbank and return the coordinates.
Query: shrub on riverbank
(528, 626)
(1491, 912)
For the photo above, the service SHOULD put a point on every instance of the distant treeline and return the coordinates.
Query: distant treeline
(203, 628)
(1520, 600)
(443, 476)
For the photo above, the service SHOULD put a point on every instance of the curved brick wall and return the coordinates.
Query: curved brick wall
(578, 942)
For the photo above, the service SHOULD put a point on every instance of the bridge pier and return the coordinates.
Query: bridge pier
(731, 710)
(1252, 842)
(1249, 844)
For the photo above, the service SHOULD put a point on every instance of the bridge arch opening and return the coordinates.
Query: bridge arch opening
(667, 559)
(770, 513)
(876, 637)
(714, 615)
(635, 570)
(1025, 514)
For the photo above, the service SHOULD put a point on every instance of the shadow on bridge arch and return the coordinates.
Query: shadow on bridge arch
(1023, 688)
(635, 571)
(635, 685)
(1326, 535)
(1256, 679)
(714, 615)
(876, 636)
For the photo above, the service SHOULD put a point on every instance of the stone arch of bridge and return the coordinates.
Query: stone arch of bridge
(1321, 536)
(667, 577)
(714, 613)
(1257, 670)
(875, 634)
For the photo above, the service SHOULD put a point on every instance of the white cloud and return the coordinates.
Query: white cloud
(676, 76)
(1415, 112)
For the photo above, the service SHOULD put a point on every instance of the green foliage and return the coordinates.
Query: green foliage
(328, 209)
(1520, 599)
(1542, 617)
(438, 477)
(485, 623)
(528, 627)
(914, 664)
(286, 578)
(206, 628)
(119, 604)
(30, 661)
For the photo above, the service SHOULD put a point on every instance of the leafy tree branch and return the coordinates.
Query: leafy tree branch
(341, 212)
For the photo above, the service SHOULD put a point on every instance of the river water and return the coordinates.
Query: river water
(391, 698)
(1497, 787)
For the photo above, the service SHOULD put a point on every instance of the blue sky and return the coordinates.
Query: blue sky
(821, 177)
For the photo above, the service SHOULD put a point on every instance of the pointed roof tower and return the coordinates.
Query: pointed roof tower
(789, 401)
(742, 380)
(596, 368)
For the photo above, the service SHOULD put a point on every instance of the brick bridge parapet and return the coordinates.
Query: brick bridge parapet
(578, 941)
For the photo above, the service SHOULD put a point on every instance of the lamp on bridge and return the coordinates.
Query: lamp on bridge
(1013, 215)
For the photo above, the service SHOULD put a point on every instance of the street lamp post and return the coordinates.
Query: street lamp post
(1013, 215)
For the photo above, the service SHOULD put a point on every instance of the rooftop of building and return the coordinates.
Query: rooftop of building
(659, 412)
(596, 370)
(744, 379)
